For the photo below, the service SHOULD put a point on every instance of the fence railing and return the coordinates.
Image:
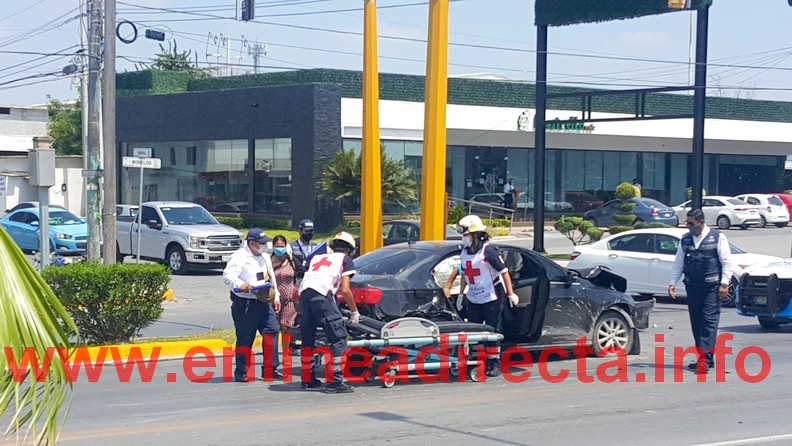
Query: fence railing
(484, 210)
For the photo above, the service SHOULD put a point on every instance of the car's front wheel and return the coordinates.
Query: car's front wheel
(177, 261)
(723, 222)
(612, 333)
(762, 222)
(768, 323)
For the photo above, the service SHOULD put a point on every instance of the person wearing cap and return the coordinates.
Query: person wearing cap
(487, 279)
(303, 246)
(327, 276)
(247, 266)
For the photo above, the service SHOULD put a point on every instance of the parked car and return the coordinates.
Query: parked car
(646, 210)
(400, 231)
(68, 234)
(30, 204)
(582, 201)
(787, 200)
(645, 258)
(495, 199)
(771, 209)
(182, 235)
(126, 212)
(723, 212)
(556, 307)
(766, 291)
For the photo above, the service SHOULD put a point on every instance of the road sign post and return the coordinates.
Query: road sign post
(143, 161)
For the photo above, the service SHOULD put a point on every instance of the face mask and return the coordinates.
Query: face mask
(696, 230)
(306, 237)
(467, 241)
(280, 251)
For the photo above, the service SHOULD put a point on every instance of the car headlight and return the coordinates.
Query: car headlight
(195, 242)
(62, 236)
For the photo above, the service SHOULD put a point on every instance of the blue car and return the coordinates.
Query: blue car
(68, 234)
(646, 210)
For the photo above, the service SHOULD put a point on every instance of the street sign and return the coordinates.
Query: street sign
(141, 152)
(788, 165)
(143, 163)
(91, 173)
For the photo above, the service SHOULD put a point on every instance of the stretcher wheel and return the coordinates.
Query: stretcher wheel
(453, 370)
(476, 375)
(389, 379)
(372, 374)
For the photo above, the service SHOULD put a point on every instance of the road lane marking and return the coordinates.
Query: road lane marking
(755, 440)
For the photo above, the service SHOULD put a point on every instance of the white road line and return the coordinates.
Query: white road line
(755, 440)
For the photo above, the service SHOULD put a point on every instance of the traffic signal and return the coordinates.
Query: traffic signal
(249, 10)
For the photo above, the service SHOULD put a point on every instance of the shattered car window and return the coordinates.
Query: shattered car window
(442, 272)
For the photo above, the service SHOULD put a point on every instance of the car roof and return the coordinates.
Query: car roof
(413, 222)
(675, 232)
(720, 197)
(35, 211)
(171, 204)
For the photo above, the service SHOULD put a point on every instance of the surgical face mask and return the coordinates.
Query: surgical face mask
(467, 241)
(280, 251)
(696, 230)
(306, 236)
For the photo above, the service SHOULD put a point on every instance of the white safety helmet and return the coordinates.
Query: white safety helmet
(471, 223)
(345, 237)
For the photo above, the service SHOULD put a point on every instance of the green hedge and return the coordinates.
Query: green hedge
(570, 12)
(149, 82)
(253, 222)
(110, 303)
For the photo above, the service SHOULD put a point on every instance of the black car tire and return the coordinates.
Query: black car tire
(723, 222)
(768, 323)
(781, 225)
(176, 260)
(729, 301)
(610, 325)
(119, 256)
(762, 222)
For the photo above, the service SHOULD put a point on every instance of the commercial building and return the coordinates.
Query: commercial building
(257, 143)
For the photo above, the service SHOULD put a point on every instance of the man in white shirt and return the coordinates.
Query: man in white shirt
(704, 258)
(508, 194)
(247, 269)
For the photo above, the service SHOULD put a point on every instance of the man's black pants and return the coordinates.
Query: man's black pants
(322, 311)
(250, 316)
(704, 309)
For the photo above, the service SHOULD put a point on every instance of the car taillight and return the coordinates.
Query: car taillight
(769, 209)
(574, 255)
(655, 212)
(367, 296)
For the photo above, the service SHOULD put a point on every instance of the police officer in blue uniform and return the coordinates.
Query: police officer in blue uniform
(302, 247)
(704, 257)
(328, 275)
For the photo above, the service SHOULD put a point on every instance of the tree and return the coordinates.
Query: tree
(33, 322)
(576, 229)
(65, 126)
(341, 178)
(174, 60)
(625, 192)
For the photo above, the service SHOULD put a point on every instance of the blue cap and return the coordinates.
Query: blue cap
(306, 225)
(257, 235)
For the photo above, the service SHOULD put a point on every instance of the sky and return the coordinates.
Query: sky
(750, 46)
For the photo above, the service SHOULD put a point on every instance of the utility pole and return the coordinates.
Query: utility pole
(109, 133)
(94, 100)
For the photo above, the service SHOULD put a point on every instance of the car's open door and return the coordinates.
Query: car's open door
(523, 322)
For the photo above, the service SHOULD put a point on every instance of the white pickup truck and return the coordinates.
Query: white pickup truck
(182, 235)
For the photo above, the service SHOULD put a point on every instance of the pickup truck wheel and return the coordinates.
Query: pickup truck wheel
(177, 261)
(119, 256)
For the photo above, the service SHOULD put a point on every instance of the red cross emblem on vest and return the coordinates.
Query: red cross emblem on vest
(324, 262)
(471, 273)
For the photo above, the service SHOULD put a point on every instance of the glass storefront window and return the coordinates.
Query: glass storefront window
(273, 168)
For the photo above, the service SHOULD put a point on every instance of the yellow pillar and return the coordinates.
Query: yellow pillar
(371, 173)
(433, 178)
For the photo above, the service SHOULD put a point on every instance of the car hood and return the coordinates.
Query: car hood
(204, 230)
(780, 267)
(73, 230)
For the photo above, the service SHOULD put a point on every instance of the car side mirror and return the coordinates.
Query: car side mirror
(570, 278)
(34, 223)
(153, 224)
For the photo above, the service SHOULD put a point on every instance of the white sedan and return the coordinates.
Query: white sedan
(645, 258)
(723, 212)
(771, 209)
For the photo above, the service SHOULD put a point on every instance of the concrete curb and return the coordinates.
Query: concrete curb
(167, 349)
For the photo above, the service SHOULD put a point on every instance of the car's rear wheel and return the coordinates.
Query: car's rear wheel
(612, 334)
(781, 225)
(723, 222)
(762, 222)
(768, 323)
(177, 261)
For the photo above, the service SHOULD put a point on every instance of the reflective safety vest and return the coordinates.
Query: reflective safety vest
(480, 276)
(702, 266)
(323, 275)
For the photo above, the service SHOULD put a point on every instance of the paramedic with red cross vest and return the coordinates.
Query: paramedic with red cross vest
(326, 276)
(704, 257)
(487, 278)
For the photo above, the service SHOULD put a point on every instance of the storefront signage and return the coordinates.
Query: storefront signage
(572, 125)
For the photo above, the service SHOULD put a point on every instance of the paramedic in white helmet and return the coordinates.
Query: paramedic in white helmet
(487, 278)
(326, 277)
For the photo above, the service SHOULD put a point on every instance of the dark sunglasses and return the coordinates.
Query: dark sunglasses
(692, 223)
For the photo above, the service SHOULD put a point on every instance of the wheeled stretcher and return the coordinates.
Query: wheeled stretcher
(410, 347)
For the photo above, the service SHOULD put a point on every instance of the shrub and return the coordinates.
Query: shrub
(269, 223)
(234, 222)
(625, 192)
(576, 229)
(644, 225)
(498, 223)
(455, 214)
(617, 229)
(110, 303)
(352, 224)
(689, 193)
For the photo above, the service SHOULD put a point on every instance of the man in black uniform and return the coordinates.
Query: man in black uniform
(704, 257)
(328, 275)
(302, 247)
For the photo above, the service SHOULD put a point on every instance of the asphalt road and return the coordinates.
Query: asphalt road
(535, 412)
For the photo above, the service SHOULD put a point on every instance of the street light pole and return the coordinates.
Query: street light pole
(93, 151)
(109, 134)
